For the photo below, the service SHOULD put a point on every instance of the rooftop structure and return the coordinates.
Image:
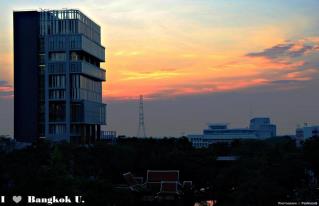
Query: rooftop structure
(260, 128)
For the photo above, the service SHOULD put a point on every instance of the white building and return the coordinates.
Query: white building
(260, 128)
(263, 127)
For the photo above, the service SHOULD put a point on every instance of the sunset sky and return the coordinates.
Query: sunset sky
(195, 61)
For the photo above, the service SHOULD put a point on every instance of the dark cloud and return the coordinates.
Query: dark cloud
(273, 52)
(302, 51)
(293, 50)
(284, 81)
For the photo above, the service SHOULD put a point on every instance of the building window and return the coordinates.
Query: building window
(74, 56)
(76, 112)
(57, 112)
(57, 129)
(85, 88)
(57, 56)
(56, 81)
(57, 94)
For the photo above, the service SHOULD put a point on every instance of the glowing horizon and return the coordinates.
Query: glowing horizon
(153, 49)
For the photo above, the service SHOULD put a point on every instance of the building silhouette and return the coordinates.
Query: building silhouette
(57, 76)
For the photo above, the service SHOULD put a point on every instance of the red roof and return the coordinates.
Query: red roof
(170, 187)
(162, 175)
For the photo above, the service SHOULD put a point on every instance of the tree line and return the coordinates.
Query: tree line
(266, 171)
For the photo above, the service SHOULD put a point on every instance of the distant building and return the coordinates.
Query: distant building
(108, 136)
(306, 132)
(260, 128)
(263, 127)
(57, 76)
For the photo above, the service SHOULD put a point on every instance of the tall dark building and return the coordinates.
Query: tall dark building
(57, 76)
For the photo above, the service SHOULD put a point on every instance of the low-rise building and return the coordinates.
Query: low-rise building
(260, 128)
(108, 136)
(306, 132)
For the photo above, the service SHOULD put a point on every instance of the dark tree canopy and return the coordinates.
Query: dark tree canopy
(266, 171)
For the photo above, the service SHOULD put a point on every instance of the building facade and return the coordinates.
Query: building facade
(263, 127)
(260, 128)
(57, 76)
(108, 136)
(306, 132)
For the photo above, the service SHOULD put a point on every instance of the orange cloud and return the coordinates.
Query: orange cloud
(195, 73)
(6, 66)
(6, 89)
(154, 75)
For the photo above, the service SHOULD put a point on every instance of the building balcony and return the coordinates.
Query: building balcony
(75, 42)
(56, 94)
(56, 67)
(85, 68)
(92, 48)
